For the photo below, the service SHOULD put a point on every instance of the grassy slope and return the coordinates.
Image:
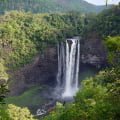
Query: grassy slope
(29, 98)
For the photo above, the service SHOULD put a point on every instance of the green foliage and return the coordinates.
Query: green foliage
(108, 22)
(12, 112)
(98, 99)
(69, 24)
(3, 74)
(3, 92)
(105, 23)
(15, 112)
(49, 6)
(113, 45)
(3, 112)
(3, 81)
(23, 35)
(16, 48)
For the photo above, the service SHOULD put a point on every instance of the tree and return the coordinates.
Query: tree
(3, 82)
(12, 112)
(113, 46)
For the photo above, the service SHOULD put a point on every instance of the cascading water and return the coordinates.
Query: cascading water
(68, 67)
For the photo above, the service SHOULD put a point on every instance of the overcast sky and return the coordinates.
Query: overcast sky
(102, 2)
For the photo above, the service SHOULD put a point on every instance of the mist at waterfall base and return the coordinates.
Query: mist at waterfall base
(68, 68)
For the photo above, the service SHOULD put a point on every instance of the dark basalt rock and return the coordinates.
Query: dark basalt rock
(93, 51)
(41, 71)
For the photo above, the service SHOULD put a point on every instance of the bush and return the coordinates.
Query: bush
(98, 99)
(12, 112)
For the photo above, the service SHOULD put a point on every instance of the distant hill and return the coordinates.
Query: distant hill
(49, 6)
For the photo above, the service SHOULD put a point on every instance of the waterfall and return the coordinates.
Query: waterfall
(61, 64)
(68, 67)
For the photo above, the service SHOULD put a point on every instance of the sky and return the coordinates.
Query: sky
(102, 2)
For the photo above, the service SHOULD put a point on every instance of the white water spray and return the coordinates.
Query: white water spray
(68, 67)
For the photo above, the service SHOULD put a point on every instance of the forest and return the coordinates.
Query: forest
(26, 34)
(52, 6)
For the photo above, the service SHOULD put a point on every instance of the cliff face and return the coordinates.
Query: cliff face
(43, 69)
(93, 50)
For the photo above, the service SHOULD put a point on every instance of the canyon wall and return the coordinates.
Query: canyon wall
(93, 50)
(43, 69)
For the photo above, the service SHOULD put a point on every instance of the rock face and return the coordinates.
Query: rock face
(93, 50)
(42, 70)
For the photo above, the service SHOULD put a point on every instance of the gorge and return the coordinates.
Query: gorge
(45, 70)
